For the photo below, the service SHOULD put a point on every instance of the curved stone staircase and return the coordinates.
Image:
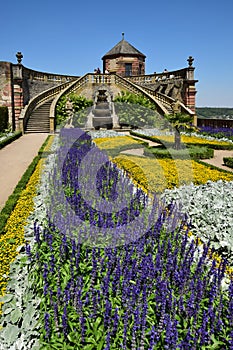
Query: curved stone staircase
(39, 119)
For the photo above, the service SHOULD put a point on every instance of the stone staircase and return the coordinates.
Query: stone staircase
(39, 119)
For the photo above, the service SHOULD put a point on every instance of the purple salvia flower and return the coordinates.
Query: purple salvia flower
(59, 295)
(64, 321)
(28, 251)
(125, 321)
(203, 331)
(83, 328)
(230, 307)
(231, 340)
(115, 322)
(169, 334)
(67, 295)
(52, 263)
(47, 325)
(152, 338)
(107, 313)
(37, 233)
(108, 341)
(55, 309)
(190, 304)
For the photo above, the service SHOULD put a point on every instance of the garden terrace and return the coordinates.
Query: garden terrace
(159, 288)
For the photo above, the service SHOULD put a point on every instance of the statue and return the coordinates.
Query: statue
(70, 113)
(176, 107)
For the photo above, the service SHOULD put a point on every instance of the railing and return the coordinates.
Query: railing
(42, 76)
(156, 77)
(185, 109)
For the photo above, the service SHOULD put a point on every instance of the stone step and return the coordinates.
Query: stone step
(39, 119)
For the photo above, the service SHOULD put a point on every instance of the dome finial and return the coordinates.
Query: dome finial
(123, 35)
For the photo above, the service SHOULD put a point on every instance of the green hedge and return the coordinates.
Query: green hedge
(193, 152)
(13, 198)
(4, 118)
(10, 139)
(228, 161)
(171, 144)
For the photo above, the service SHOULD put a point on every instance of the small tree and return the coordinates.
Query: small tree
(180, 122)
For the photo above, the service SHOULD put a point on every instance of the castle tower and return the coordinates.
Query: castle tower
(124, 59)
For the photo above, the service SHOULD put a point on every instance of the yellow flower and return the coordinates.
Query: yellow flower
(14, 229)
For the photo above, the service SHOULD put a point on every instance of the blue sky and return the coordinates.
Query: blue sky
(70, 37)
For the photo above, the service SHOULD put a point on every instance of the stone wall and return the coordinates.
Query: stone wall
(6, 88)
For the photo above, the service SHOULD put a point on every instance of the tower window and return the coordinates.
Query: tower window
(128, 69)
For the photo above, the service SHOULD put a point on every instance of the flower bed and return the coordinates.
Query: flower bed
(114, 146)
(158, 174)
(14, 229)
(12, 235)
(217, 132)
(159, 290)
(120, 141)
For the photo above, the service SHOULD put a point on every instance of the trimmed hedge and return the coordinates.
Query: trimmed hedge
(4, 118)
(171, 144)
(228, 161)
(10, 139)
(193, 152)
(13, 198)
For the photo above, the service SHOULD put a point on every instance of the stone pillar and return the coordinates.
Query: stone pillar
(18, 89)
(189, 86)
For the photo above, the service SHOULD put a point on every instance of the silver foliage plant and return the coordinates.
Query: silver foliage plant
(210, 209)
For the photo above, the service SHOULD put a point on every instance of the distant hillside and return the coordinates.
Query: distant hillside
(214, 112)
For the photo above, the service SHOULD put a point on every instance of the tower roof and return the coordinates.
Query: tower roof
(123, 48)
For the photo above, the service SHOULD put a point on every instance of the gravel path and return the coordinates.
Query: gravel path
(15, 159)
(218, 159)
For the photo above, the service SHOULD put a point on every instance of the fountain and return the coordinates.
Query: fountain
(103, 114)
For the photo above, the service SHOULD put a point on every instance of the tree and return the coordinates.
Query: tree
(180, 122)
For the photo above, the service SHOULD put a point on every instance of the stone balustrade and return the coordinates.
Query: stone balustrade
(35, 75)
(156, 77)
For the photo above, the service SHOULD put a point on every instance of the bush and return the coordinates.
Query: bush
(228, 161)
(136, 110)
(80, 103)
(4, 118)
